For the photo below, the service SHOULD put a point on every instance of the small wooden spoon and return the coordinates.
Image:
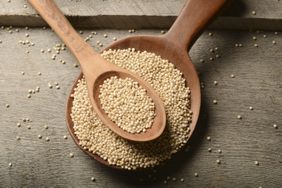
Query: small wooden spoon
(173, 46)
(96, 69)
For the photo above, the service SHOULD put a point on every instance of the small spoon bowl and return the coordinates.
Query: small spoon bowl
(159, 122)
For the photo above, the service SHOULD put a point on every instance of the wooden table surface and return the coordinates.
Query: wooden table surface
(257, 83)
(27, 161)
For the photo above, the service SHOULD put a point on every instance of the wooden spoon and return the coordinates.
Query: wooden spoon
(96, 69)
(173, 46)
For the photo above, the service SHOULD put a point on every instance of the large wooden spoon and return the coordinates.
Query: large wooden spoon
(96, 69)
(173, 46)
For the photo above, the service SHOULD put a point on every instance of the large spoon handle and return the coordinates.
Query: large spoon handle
(58, 22)
(195, 15)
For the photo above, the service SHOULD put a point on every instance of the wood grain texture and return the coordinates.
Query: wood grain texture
(144, 14)
(257, 83)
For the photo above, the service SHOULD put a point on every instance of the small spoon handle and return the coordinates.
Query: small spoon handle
(195, 15)
(57, 21)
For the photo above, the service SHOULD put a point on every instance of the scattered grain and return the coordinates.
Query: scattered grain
(71, 155)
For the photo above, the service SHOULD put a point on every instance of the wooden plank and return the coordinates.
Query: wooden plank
(138, 14)
(257, 83)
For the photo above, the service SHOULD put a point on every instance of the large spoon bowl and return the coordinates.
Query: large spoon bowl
(168, 51)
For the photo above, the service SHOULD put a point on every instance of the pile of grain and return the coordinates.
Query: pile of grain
(171, 87)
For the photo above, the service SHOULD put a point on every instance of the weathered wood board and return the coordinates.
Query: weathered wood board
(137, 14)
(257, 83)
